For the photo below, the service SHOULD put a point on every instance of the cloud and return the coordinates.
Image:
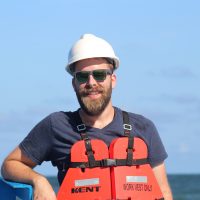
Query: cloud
(163, 116)
(176, 72)
(187, 105)
(183, 99)
(183, 148)
(63, 101)
(18, 121)
(170, 105)
(15, 122)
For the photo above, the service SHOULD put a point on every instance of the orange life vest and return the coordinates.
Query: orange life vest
(121, 172)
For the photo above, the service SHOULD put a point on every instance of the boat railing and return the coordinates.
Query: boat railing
(15, 191)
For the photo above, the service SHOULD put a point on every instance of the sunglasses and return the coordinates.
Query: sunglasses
(99, 75)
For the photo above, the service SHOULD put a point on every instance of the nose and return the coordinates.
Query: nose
(91, 80)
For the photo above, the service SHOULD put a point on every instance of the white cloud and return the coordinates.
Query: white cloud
(183, 148)
(177, 72)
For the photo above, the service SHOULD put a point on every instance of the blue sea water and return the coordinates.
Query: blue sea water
(184, 186)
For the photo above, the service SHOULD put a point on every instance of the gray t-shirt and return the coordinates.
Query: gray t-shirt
(52, 138)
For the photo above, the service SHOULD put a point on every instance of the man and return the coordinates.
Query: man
(91, 62)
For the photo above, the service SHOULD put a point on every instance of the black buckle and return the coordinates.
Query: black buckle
(108, 162)
(83, 165)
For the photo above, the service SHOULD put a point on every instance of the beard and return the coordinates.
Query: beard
(94, 107)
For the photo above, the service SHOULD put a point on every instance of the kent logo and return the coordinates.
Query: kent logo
(85, 189)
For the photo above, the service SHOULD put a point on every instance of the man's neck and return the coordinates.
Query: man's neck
(98, 121)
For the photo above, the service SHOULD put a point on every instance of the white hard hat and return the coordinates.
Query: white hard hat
(90, 46)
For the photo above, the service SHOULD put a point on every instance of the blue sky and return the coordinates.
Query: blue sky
(159, 76)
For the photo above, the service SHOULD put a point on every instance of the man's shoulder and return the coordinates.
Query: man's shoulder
(138, 117)
(138, 120)
(62, 114)
(133, 115)
(61, 117)
(141, 121)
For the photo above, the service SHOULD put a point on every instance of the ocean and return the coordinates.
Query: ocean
(184, 186)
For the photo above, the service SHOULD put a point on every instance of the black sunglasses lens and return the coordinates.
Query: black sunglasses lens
(82, 77)
(99, 75)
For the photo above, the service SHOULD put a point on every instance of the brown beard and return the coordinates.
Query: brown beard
(96, 106)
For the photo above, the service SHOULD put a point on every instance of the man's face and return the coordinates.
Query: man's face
(94, 96)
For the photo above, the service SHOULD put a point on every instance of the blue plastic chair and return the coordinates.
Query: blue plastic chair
(13, 191)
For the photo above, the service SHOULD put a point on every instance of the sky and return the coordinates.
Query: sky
(158, 45)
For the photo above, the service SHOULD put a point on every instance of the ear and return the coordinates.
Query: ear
(114, 80)
(73, 83)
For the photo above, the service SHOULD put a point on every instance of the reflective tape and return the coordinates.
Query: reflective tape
(138, 179)
(85, 182)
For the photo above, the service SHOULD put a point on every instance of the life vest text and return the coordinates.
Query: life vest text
(138, 187)
(85, 189)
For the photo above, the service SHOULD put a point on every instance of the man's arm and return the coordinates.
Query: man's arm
(18, 167)
(161, 176)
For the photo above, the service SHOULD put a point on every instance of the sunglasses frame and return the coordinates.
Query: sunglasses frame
(105, 72)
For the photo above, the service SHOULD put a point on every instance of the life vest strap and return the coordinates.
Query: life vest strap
(90, 153)
(129, 158)
(126, 124)
(127, 133)
(109, 163)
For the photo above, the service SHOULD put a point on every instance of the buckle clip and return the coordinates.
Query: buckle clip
(127, 127)
(81, 127)
(108, 162)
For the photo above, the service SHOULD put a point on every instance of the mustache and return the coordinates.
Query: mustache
(87, 91)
